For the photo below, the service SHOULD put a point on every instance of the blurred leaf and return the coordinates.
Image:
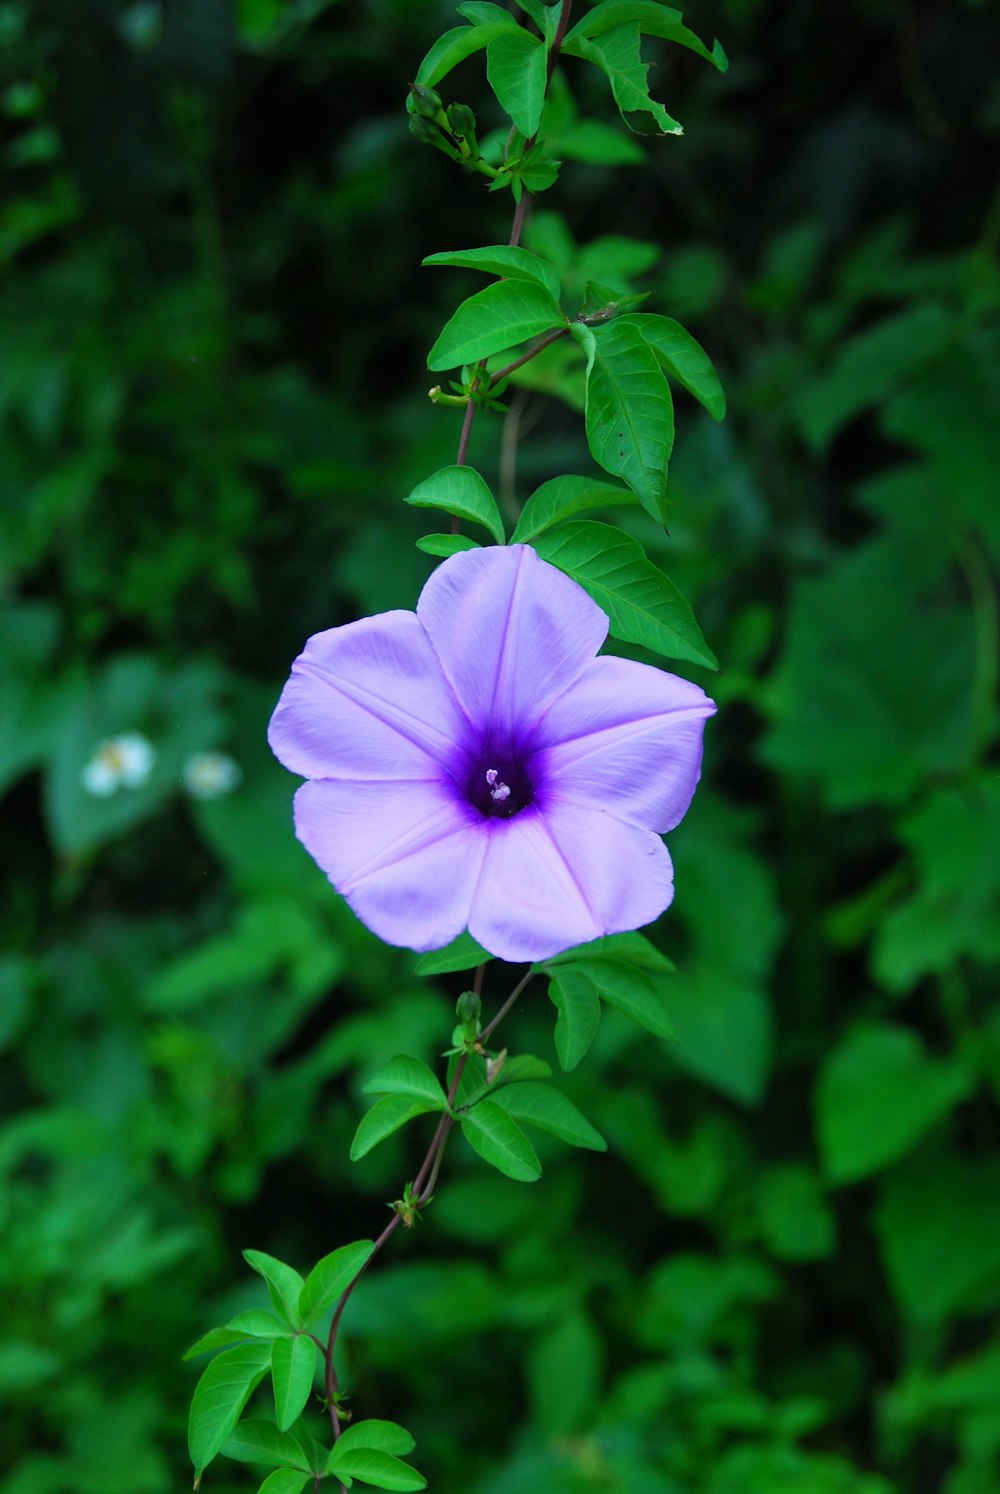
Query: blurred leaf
(564, 1374)
(878, 1093)
(723, 1031)
(939, 1232)
(796, 1221)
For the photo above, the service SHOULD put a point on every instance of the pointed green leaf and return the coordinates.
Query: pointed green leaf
(501, 1142)
(293, 1364)
(219, 1397)
(516, 70)
(475, 1084)
(329, 1278)
(259, 1441)
(617, 53)
(252, 1324)
(382, 1119)
(499, 317)
(462, 953)
(385, 1436)
(405, 1075)
(284, 1481)
(684, 359)
(642, 604)
(455, 46)
(460, 491)
(284, 1284)
(506, 260)
(446, 544)
(547, 1108)
(635, 949)
(374, 1467)
(576, 1000)
(653, 19)
(545, 16)
(640, 994)
(630, 416)
(560, 499)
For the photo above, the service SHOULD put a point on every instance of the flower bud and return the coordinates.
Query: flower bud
(424, 101)
(468, 1010)
(423, 130)
(462, 122)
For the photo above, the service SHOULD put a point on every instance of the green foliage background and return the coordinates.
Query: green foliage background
(783, 1277)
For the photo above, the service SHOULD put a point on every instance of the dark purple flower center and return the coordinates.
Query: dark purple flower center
(499, 788)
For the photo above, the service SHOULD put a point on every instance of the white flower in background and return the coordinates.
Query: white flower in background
(117, 763)
(210, 775)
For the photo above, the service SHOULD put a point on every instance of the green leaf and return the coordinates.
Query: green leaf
(564, 1375)
(684, 359)
(878, 1093)
(500, 1141)
(562, 497)
(506, 260)
(578, 1004)
(259, 1441)
(796, 1221)
(385, 1436)
(284, 1481)
(254, 1323)
(547, 1108)
(455, 46)
(629, 412)
(598, 144)
(516, 70)
(374, 1467)
(939, 1232)
(640, 994)
(496, 318)
(633, 948)
(723, 1028)
(405, 1075)
(462, 953)
(329, 1277)
(642, 604)
(653, 19)
(283, 1283)
(293, 1364)
(460, 491)
(219, 1397)
(446, 544)
(382, 1119)
(617, 53)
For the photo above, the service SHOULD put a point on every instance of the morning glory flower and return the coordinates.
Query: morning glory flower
(473, 764)
(119, 762)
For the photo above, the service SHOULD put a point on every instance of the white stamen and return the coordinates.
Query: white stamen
(499, 791)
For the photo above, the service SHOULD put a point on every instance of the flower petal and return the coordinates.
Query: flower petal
(511, 633)
(367, 700)
(626, 738)
(406, 856)
(564, 876)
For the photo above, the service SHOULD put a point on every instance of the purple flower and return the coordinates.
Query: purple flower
(473, 765)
